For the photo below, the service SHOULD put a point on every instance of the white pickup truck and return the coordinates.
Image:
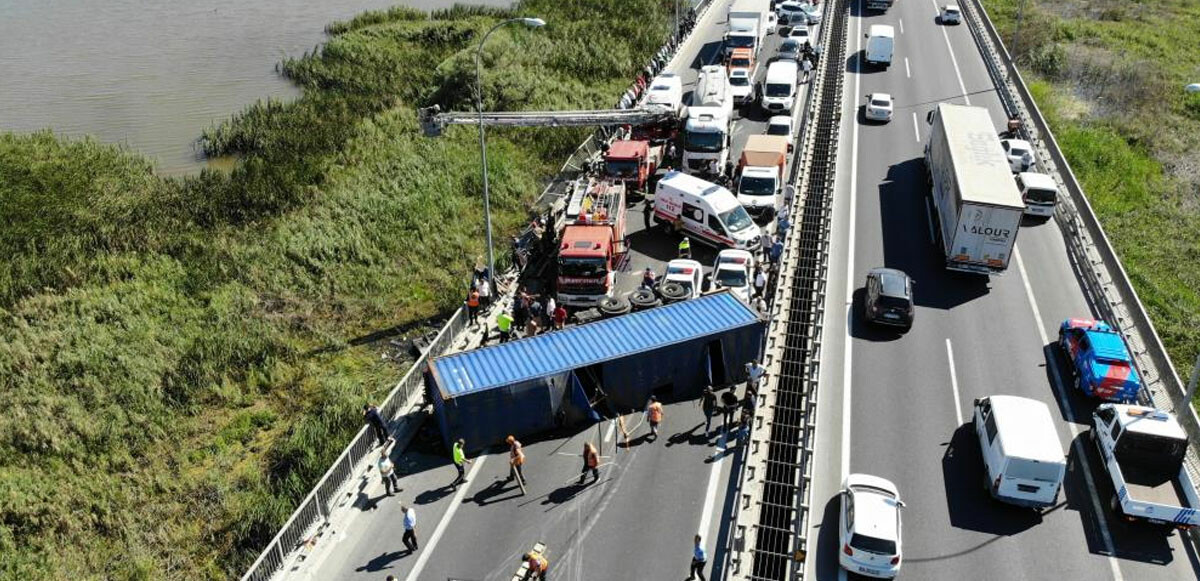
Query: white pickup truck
(1143, 450)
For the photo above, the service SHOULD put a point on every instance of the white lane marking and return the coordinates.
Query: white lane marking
(850, 266)
(901, 26)
(957, 73)
(954, 383)
(710, 493)
(1061, 394)
(929, 220)
(916, 128)
(907, 71)
(457, 501)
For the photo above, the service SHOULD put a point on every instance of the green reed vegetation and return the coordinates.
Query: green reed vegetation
(175, 352)
(1109, 76)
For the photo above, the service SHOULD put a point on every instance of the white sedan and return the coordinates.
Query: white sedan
(1019, 153)
(782, 125)
(869, 526)
(951, 14)
(733, 270)
(879, 107)
(800, 33)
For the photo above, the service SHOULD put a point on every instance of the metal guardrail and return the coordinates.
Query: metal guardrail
(313, 513)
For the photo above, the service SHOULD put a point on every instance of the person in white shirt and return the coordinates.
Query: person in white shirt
(410, 528)
(387, 469)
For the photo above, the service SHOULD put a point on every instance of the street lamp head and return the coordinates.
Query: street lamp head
(534, 22)
(1192, 88)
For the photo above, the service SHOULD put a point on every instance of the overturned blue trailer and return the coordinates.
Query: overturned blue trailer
(566, 377)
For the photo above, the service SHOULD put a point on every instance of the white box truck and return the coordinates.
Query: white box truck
(881, 43)
(706, 131)
(746, 25)
(976, 202)
(760, 173)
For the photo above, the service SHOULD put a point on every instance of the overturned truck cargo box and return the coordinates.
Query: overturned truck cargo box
(578, 374)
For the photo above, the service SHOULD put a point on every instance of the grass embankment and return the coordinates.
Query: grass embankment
(170, 391)
(1109, 76)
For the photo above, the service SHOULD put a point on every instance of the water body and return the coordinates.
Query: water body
(152, 74)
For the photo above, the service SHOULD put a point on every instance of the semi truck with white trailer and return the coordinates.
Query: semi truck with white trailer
(977, 206)
(706, 132)
(746, 26)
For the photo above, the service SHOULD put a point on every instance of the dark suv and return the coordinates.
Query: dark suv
(889, 297)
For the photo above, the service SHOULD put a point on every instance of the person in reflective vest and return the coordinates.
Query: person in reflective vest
(538, 566)
(685, 248)
(516, 459)
(591, 461)
(473, 306)
(654, 414)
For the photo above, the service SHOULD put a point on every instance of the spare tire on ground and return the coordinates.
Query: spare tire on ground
(612, 306)
(673, 291)
(644, 298)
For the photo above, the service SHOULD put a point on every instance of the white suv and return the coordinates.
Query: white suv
(869, 526)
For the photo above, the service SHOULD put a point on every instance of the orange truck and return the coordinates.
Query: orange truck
(741, 58)
(592, 244)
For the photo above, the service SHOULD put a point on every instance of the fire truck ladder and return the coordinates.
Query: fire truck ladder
(433, 120)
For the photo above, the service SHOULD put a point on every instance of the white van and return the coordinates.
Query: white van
(881, 40)
(1023, 458)
(704, 210)
(779, 93)
(667, 90)
(1039, 192)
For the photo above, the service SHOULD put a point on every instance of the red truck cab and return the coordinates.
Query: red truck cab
(632, 162)
(592, 242)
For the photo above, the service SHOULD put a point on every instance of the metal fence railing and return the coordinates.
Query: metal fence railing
(314, 511)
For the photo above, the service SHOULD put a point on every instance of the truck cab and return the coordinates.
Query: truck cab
(760, 173)
(1143, 451)
(706, 141)
(1099, 360)
(632, 162)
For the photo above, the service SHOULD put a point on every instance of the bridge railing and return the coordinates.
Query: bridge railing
(1096, 264)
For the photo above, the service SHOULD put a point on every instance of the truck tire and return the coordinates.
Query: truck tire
(613, 306)
(673, 291)
(644, 298)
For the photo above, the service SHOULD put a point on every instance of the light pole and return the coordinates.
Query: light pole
(487, 207)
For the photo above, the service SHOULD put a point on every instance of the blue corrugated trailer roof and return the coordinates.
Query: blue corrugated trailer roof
(576, 347)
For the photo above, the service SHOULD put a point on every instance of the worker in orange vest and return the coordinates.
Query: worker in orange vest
(538, 566)
(654, 414)
(473, 305)
(591, 461)
(516, 458)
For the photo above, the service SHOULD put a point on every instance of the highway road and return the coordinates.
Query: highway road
(637, 522)
(899, 405)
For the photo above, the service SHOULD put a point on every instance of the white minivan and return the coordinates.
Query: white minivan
(779, 93)
(881, 41)
(1039, 192)
(1023, 458)
(667, 90)
(704, 210)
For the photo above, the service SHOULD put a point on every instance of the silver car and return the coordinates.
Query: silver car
(789, 50)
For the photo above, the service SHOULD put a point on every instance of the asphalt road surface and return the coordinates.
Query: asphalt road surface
(636, 522)
(899, 405)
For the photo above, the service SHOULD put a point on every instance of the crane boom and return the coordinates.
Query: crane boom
(433, 120)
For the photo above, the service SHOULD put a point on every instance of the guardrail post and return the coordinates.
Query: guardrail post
(1191, 388)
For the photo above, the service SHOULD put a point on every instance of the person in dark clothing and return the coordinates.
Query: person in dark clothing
(647, 212)
(708, 403)
(536, 310)
(729, 402)
(371, 415)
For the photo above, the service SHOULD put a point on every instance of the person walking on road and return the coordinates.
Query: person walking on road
(371, 415)
(473, 305)
(729, 404)
(685, 248)
(807, 66)
(647, 212)
(485, 293)
(654, 414)
(764, 243)
(516, 459)
(387, 468)
(624, 432)
(648, 279)
(755, 373)
(591, 461)
(760, 281)
(460, 461)
(708, 403)
(410, 528)
(560, 317)
(776, 250)
(699, 560)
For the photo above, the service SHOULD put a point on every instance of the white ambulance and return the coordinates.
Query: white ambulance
(705, 211)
